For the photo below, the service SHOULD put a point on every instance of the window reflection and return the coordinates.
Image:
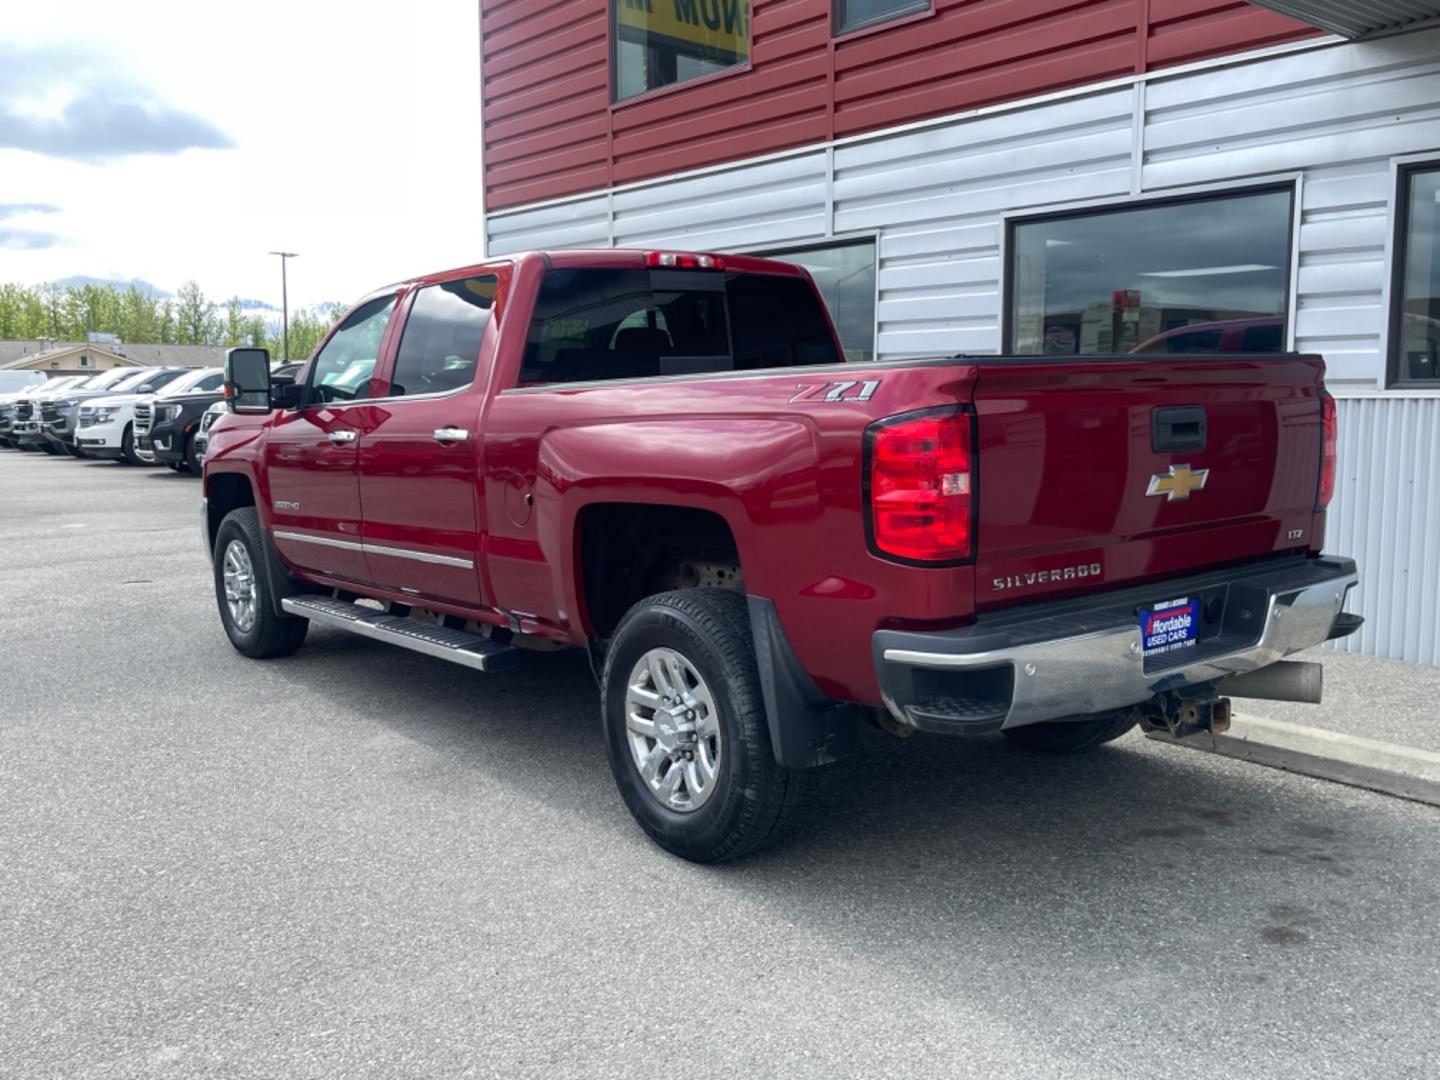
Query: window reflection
(845, 276)
(1419, 329)
(660, 42)
(1199, 276)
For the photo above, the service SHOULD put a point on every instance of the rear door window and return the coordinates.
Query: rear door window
(440, 345)
(599, 324)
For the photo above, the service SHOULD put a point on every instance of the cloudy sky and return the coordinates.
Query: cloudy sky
(164, 140)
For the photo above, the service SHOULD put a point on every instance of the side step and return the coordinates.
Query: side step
(457, 646)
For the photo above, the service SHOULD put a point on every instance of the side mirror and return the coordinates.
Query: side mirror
(287, 394)
(247, 380)
(145, 388)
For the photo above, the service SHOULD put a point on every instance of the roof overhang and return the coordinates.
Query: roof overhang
(43, 361)
(1353, 20)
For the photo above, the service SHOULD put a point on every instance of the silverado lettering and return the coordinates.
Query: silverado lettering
(1041, 577)
(606, 450)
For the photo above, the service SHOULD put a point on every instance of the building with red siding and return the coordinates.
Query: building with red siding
(1031, 176)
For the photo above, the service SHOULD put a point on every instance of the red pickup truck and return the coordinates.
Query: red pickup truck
(663, 458)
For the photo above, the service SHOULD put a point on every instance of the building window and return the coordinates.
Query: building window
(845, 276)
(1198, 275)
(661, 42)
(858, 14)
(1416, 326)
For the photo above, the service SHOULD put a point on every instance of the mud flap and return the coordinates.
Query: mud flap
(806, 728)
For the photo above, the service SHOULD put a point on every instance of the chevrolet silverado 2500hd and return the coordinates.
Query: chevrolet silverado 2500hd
(663, 458)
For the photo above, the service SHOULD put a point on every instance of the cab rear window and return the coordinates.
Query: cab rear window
(595, 324)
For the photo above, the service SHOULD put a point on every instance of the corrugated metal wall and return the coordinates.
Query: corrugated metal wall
(550, 129)
(1387, 514)
(935, 199)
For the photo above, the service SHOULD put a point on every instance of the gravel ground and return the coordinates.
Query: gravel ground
(362, 862)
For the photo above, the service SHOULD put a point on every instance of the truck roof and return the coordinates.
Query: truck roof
(617, 258)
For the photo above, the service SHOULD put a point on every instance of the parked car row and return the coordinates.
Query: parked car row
(138, 416)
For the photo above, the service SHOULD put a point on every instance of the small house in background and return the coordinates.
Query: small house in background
(101, 353)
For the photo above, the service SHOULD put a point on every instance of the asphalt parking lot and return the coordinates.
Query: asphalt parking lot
(362, 862)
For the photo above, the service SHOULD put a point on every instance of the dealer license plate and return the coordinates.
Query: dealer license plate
(1170, 627)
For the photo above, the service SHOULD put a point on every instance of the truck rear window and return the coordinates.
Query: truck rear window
(594, 324)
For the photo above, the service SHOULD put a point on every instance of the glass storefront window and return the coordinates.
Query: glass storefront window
(845, 275)
(660, 42)
(858, 14)
(1417, 328)
(1201, 275)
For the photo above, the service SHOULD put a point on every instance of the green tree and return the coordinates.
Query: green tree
(52, 297)
(195, 321)
(236, 324)
(164, 323)
(136, 321)
(12, 311)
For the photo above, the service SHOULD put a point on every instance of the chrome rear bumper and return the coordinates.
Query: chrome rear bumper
(1075, 658)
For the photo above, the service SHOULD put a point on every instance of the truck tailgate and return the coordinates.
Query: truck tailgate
(1096, 473)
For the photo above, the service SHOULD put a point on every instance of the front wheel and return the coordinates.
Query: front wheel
(1075, 736)
(127, 447)
(685, 728)
(242, 579)
(192, 458)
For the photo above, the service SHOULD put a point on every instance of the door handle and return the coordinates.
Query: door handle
(451, 434)
(341, 436)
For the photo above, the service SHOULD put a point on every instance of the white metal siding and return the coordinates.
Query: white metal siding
(935, 196)
(578, 223)
(1337, 115)
(778, 201)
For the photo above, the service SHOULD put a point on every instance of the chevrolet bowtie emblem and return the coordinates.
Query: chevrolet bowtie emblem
(1178, 483)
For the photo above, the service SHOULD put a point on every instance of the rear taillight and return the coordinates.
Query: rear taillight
(921, 475)
(1330, 429)
(683, 260)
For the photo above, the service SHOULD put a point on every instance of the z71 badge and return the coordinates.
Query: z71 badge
(832, 392)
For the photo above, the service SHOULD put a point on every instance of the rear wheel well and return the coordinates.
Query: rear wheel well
(228, 492)
(629, 551)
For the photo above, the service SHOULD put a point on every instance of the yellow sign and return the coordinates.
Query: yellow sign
(715, 30)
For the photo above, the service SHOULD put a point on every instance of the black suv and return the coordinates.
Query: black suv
(167, 426)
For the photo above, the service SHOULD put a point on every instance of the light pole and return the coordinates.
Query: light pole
(285, 299)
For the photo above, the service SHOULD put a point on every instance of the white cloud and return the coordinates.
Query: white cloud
(356, 142)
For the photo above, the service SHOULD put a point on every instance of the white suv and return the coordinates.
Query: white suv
(107, 425)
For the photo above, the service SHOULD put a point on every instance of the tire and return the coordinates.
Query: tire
(176, 466)
(1075, 736)
(127, 447)
(192, 463)
(75, 451)
(49, 448)
(264, 634)
(750, 799)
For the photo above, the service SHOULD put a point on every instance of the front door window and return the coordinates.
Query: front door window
(343, 367)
